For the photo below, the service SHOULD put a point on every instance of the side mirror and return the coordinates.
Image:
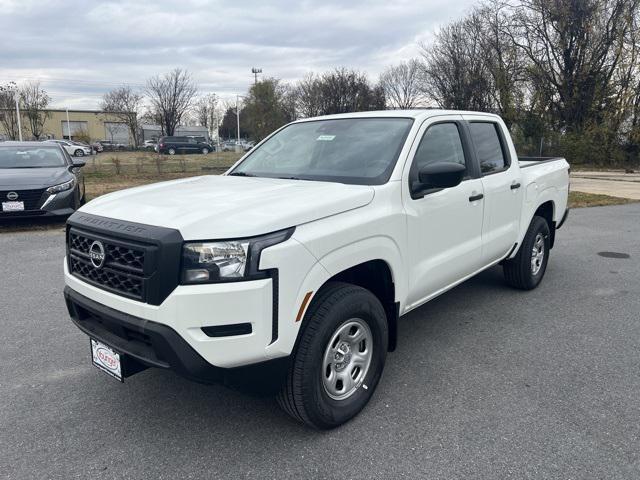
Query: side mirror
(441, 175)
(78, 163)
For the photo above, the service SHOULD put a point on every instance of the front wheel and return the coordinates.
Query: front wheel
(78, 153)
(171, 151)
(205, 151)
(339, 359)
(526, 269)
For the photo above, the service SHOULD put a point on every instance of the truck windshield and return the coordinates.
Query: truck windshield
(359, 151)
(31, 157)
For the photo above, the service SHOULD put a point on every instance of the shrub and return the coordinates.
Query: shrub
(183, 163)
(117, 164)
(159, 161)
(139, 164)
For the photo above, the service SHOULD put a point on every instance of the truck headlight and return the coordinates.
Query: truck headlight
(227, 260)
(62, 187)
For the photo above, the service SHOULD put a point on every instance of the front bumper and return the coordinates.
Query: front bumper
(56, 205)
(149, 343)
(191, 314)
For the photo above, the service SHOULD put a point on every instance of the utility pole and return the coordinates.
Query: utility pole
(68, 126)
(217, 133)
(238, 120)
(255, 72)
(16, 97)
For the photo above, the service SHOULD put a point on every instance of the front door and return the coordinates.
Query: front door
(444, 226)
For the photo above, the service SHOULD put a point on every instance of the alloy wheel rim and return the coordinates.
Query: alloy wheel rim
(537, 254)
(347, 358)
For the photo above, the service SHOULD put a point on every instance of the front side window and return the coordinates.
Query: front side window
(488, 146)
(359, 151)
(440, 143)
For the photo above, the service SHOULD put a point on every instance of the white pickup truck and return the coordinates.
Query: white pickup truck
(295, 265)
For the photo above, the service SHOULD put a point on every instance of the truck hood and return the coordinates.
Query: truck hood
(211, 207)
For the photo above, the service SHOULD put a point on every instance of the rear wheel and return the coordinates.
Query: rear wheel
(339, 359)
(526, 270)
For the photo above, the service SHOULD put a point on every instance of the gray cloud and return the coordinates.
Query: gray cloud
(79, 49)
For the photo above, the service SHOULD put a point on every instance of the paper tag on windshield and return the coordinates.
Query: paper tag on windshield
(325, 138)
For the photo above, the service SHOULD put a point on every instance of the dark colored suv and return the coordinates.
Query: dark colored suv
(39, 179)
(173, 145)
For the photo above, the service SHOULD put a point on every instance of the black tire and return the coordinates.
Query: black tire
(519, 272)
(304, 396)
(78, 153)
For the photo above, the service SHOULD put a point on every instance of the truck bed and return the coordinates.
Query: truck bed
(544, 179)
(526, 162)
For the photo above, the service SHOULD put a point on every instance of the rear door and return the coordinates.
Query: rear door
(444, 225)
(501, 181)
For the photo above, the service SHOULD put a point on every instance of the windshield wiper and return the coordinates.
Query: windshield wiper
(289, 178)
(241, 174)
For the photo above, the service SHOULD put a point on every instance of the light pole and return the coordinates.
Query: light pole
(68, 125)
(238, 119)
(215, 116)
(255, 72)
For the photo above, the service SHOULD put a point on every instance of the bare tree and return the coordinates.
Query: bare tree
(112, 128)
(123, 104)
(171, 96)
(575, 48)
(338, 91)
(504, 62)
(455, 73)
(207, 112)
(401, 84)
(34, 104)
(309, 96)
(8, 114)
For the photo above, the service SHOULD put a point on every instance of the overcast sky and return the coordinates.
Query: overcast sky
(80, 49)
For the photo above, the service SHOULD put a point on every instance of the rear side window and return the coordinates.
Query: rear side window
(440, 143)
(488, 146)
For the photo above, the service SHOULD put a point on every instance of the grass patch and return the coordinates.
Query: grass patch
(581, 199)
(111, 171)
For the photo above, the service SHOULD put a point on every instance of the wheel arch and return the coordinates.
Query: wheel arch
(375, 274)
(545, 206)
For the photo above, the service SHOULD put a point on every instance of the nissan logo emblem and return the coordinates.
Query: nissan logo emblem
(12, 196)
(96, 254)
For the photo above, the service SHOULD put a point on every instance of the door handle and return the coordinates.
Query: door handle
(515, 186)
(473, 198)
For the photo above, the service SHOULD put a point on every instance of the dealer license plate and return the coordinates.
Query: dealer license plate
(12, 206)
(106, 359)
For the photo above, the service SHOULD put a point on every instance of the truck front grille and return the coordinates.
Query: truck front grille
(130, 258)
(125, 270)
(128, 285)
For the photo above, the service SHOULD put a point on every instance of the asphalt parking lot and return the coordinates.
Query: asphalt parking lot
(487, 382)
